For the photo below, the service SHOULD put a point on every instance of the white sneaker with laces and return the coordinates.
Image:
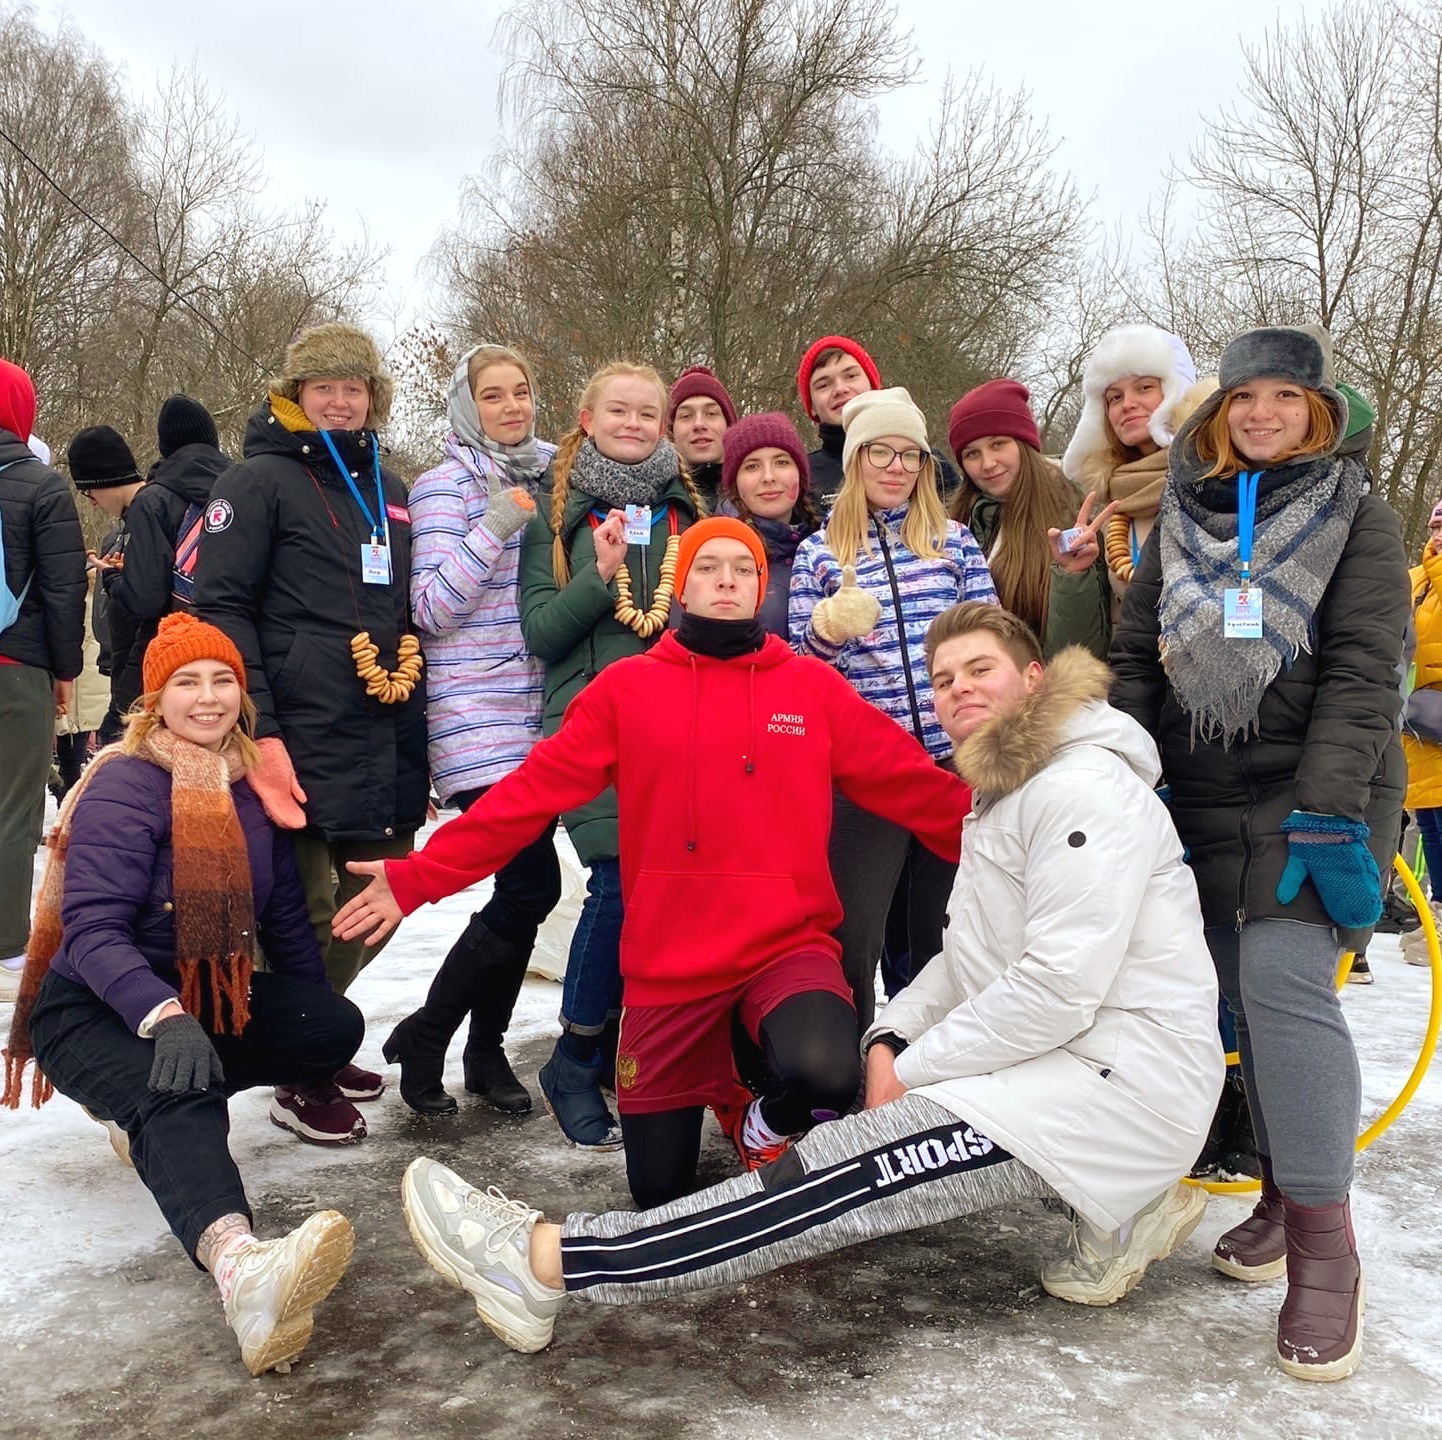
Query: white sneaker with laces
(9, 984)
(480, 1241)
(1101, 1268)
(278, 1283)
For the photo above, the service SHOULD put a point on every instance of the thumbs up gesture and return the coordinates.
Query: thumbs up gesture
(848, 614)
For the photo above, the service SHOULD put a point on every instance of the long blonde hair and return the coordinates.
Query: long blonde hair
(143, 718)
(923, 531)
(570, 447)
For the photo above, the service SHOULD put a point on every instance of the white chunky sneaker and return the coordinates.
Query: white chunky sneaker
(480, 1241)
(1101, 1268)
(279, 1282)
(119, 1140)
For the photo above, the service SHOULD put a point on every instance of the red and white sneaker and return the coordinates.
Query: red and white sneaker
(732, 1119)
(319, 1114)
(359, 1085)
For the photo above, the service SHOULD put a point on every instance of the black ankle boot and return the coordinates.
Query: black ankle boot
(422, 1063)
(489, 1075)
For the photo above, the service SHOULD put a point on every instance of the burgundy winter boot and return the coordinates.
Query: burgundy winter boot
(1257, 1248)
(1319, 1332)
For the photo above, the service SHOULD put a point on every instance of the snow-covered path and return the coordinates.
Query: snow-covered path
(107, 1330)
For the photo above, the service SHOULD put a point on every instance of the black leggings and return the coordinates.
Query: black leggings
(812, 1073)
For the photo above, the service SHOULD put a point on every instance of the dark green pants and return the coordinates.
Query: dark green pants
(328, 885)
(27, 723)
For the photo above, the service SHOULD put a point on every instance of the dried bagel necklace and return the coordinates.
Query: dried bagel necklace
(653, 621)
(390, 687)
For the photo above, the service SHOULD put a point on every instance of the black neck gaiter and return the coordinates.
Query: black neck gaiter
(720, 639)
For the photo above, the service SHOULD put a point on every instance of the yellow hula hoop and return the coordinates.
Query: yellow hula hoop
(1424, 1056)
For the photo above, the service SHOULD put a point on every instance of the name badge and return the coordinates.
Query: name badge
(1242, 614)
(638, 524)
(376, 564)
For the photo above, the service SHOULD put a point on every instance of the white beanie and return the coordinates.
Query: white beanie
(877, 413)
(1128, 351)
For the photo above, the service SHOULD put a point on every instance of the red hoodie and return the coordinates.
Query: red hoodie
(724, 772)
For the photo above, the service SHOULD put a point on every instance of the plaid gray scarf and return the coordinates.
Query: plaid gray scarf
(1302, 525)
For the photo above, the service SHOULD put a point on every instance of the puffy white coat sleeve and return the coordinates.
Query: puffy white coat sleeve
(1090, 851)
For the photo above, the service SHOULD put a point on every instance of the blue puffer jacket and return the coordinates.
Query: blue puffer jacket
(119, 901)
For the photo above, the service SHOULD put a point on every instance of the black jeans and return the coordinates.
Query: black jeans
(299, 1034)
(527, 888)
(869, 856)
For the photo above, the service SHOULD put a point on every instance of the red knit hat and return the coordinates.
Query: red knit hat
(759, 432)
(17, 401)
(997, 408)
(181, 640)
(720, 527)
(698, 380)
(832, 342)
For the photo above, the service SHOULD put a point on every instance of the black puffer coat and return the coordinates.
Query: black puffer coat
(43, 545)
(143, 588)
(280, 572)
(1326, 738)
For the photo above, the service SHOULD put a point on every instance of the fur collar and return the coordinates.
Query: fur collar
(1006, 752)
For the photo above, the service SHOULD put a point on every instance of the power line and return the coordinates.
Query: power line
(121, 245)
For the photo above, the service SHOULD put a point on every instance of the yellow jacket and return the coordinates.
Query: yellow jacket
(1424, 760)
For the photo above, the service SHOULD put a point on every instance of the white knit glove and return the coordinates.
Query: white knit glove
(847, 615)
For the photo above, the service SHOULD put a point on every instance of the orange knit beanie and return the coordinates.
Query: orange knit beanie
(181, 640)
(720, 527)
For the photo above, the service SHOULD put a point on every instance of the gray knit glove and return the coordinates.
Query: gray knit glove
(847, 615)
(184, 1057)
(508, 508)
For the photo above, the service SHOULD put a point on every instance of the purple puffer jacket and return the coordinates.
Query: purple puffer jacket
(119, 891)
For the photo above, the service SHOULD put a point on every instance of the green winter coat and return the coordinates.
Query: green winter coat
(573, 629)
(1079, 607)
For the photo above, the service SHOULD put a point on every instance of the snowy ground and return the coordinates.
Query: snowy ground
(108, 1331)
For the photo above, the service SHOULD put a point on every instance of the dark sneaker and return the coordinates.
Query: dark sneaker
(359, 1085)
(319, 1114)
(1361, 972)
(573, 1098)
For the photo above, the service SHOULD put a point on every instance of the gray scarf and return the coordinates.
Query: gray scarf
(1302, 525)
(616, 485)
(519, 464)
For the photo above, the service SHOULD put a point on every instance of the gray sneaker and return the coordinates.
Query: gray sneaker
(1101, 1268)
(481, 1241)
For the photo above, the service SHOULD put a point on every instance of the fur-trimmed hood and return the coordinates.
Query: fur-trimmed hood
(1069, 707)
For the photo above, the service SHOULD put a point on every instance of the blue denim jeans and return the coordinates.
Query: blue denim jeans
(1429, 826)
(593, 969)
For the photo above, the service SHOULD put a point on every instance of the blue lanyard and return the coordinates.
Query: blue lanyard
(1136, 549)
(377, 522)
(1247, 482)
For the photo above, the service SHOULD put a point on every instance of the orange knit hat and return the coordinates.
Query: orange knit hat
(720, 527)
(182, 639)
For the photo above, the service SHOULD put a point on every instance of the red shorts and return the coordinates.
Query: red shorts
(674, 1056)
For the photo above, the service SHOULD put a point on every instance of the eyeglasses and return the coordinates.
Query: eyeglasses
(881, 455)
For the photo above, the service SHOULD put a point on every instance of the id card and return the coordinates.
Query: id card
(376, 564)
(1242, 614)
(638, 524)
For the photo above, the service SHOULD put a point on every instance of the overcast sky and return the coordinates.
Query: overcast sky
(380, 108)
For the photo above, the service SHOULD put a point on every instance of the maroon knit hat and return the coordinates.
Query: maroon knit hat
(758, 432)
(997, 408)
(832, 342)
(698, 380)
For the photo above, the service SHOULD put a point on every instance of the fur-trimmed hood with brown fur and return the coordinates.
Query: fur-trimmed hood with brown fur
(1069, 707)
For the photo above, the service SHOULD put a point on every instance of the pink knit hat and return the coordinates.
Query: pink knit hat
(999, 407)
(758, 432)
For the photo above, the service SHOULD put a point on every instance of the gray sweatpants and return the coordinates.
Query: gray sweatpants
(1303, 1085)
(27, 724)
(903, 1166)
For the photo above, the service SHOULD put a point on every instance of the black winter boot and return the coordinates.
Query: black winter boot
(498, 982)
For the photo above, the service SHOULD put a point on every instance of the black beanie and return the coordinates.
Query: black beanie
(184, 421)
(99, 458)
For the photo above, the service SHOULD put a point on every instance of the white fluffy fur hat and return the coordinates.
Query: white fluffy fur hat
(1121, 353)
